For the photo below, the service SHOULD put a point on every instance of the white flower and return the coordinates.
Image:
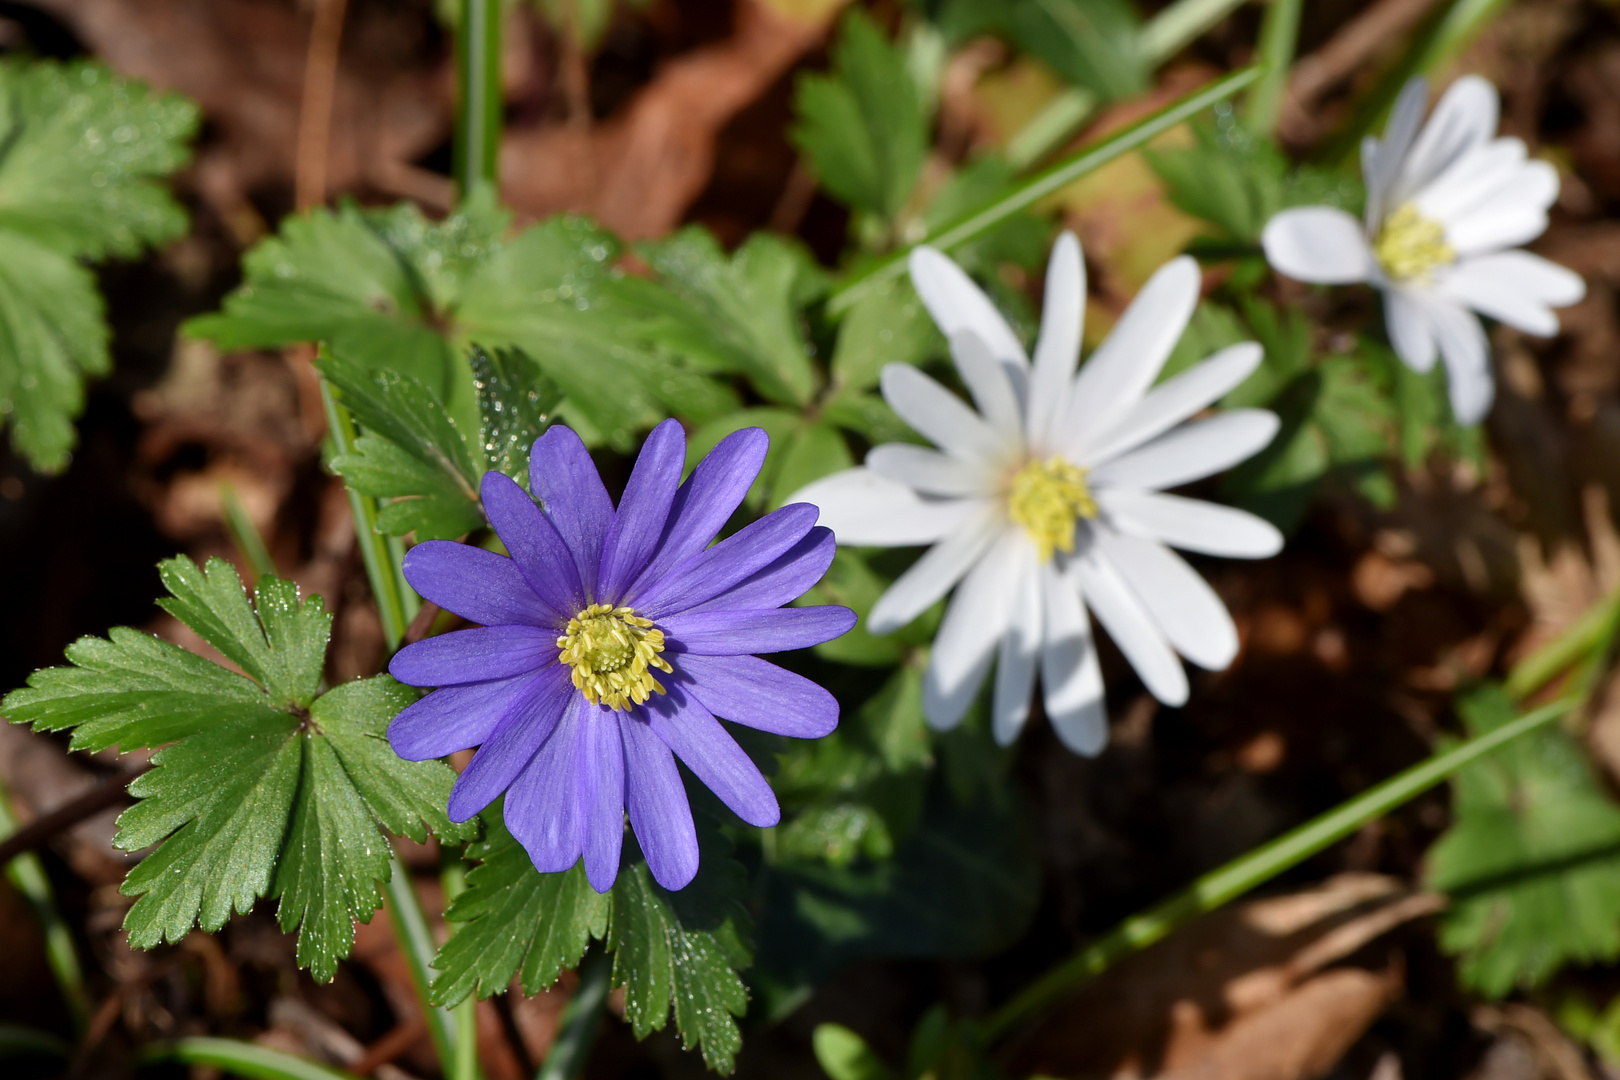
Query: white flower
(1048, 497)
(1445, 205)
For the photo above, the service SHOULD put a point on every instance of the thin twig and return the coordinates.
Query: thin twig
(315, 113)
(108, 792)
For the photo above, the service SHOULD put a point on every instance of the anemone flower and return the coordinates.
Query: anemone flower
(611, 639)
(1049, 499)
(1447, 206)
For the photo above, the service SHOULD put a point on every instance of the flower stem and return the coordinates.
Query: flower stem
(416, 943)
(1257, 867)
(380, 565)
(453, 880)
(478, 94)
(243, 1059)
(581, 1017)
(1579, 639)
(1179, 25)
(244, 533)
(1049, 180)
(1279, 35)
(27, 875)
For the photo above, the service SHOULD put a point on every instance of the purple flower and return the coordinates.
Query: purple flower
(610, 641)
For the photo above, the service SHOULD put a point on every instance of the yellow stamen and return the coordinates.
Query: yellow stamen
(1048, 498)
(612, 651)
(1410, 245)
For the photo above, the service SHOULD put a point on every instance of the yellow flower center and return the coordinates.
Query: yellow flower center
(612, 651)
(1048, 498)
(1410, 245)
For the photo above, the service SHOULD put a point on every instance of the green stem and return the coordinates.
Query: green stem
(478, 98)
(243, 1059)
(27, 875)
(1179, 25)
(374, 552)
(1257, 867)
(1279, 35)
(581, 1018)
(1044, 183)
(453, 881)
(244, 533)
(1579, 639)
(416, 943)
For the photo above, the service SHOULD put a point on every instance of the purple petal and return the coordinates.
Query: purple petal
(466, 656)
(564, 478)
(542, 807)
(713, 756)
(478, 585)
(659, 812)
(756, 693)
(512, 745)
(707, 500)
(643, 511)
(729, 563)
(785, 579)
(735, 633)
(540, 554)
(601, 779)
(454, 718)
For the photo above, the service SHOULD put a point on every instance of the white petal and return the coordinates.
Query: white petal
(1190, 452)
(1408, 326)
(1071, 678)
(975, 621)
(1382, 168)
(1190, 524)
(1468, 359)
(988, 382)
(1464, 118)
(865, 509)
(957, 304)
(1057, 351)
(932, 576)
(1020, 648)
(939, 415)
(1515, 213)
(1123, 616)
(1514, 287)
(1471, 179)
(1125, 365)
(1174, 401)
(1318, 244)
(930, 471)
(1180, 602)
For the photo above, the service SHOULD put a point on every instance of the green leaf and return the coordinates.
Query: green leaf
(80, 161)
(863, 128)
(813, 451)
(741, 314)
(888, 325)
(844, 1055)
(1531, 861)
(1091, 43)
(52, 335)
(559, 915)
(83, 156)
(851, 582)
(681, 950)
(332, 276)
(1237, 179)
(515, 403)
(262, 787)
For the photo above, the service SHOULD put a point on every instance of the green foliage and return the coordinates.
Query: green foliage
(80, 163)
(395, 292)
(671, 951)
(863, 128)
(415, 453)
(844, 1055)
(1531, 861)
(1091, 43)
(1236, 180)
(858, 791)
(888, 325)
(270, 788)
(739, 315)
